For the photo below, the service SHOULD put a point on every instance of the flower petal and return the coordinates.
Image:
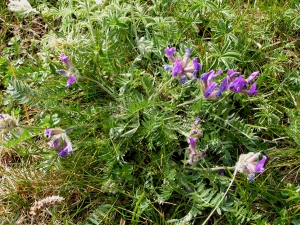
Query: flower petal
(259, 168)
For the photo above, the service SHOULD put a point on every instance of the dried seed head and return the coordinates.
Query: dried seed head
(7, 123)
(48, 201)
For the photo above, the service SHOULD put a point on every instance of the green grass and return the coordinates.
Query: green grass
(129, 122)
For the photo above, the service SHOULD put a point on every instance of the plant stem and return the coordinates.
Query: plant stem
(133, 23)
(89, 19)
(189, 102)
(224, 195)
(212, 169)
(100, 85)
(162, 88)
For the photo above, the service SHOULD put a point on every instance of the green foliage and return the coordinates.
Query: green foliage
(128, 121)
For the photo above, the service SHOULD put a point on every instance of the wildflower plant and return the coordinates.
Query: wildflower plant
(138, 155)
(59, 141)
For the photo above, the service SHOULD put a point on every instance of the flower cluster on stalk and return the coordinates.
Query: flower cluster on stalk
(71, 72)
(182, 68)
(194, 155)
(248, 163)
(59, 141)
(236, 85)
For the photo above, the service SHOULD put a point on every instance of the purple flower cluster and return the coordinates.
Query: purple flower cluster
(60, 141)
(71, 71)
(194, 155)
(182, 68)
(248, 163)
(237, 85)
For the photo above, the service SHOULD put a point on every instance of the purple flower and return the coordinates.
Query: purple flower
(177, 69)
(61, 71)
(205, 76)
(169, 52)
(192, 147)
(182, 66)
(251, 177)
(62, 144)
(186, 57)
(238, 84)
(67, 150)
(197, 66)
(167, 67)
(252, 76)
(213, 76)
(65, 59)
(182, 79)
(248, 163)
(231, 74)
(71, 81)
(210, 89)
(60, 141)
(223, 86)
(252, 90)
(259, 168)
(188, 52)
(197, 121)
(54, 143)
(48, 132)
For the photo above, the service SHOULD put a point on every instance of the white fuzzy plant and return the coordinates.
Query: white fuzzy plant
(21, 6)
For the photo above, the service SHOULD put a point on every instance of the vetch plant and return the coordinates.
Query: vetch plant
(240, 84)
(60, 141)
(194, 155)
(72, 72)
(182, 68)
(248, 163)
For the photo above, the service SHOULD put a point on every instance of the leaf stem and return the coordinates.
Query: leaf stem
(224, 195)
(89, 19)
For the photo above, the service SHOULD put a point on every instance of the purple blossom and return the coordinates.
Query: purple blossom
(167, 67)
(210, 89)
(197, 121)
(248, 163)
(251, 177)
(177, 69)
(238, 84)
(48, 132)
(182, 66)
(65, 59)
(252, 76)
(169, 52)
(205, 76)
(188, 52)
(186, 58)
(71, 81)
(192, 145)
(54, 143)
(60, 141)
(197, 66)
(61, 71)
(67, 150)
(213, 76)
(182, 79)
(252, 90)
(231, 74)
(223, 86)
(259, 168)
